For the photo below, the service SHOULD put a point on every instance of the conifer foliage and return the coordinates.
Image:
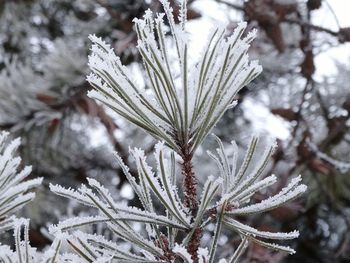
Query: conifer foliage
(14, 194)
(184, 99)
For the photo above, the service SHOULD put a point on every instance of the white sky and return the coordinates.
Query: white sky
(325, 18)
(341, 9)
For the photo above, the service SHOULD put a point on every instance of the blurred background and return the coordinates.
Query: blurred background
(302, 98)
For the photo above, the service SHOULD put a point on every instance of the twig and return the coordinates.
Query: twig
(190, 199)
(288, 20)
(311, 26)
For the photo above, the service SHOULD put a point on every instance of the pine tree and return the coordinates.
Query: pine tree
(185, 100)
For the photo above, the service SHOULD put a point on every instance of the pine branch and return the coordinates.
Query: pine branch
(181, 106)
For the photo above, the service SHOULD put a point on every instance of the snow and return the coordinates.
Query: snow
(183, 253)
(262, 234)
(286, 194)
(203, 255)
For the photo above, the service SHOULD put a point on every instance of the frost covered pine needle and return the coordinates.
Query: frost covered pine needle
(179, 112)
(15, 192)
(181, 103)
(187, 99)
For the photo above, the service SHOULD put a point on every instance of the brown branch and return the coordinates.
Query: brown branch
(306, 89)
(190, 182)
(287, 20)
(190, 198)
(311, 26)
